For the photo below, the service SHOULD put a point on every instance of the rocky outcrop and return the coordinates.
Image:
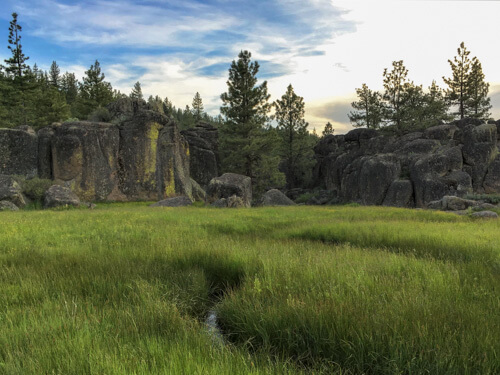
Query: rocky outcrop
(59, 196)
(140, 156)
(153, 158)
(19, 152)
(8, 206)
(84, 158)
(274, 197)
(181, 201)
(368, 167)
(204, 152)
(229, 185)
(11, 191)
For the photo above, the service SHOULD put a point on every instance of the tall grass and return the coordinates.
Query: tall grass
(124, 289)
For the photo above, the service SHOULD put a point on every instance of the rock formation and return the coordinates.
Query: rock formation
(140, 156)
(371, 168)
(230, 186)
(204, 152)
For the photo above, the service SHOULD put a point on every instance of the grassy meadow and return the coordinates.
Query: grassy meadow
(126, 289)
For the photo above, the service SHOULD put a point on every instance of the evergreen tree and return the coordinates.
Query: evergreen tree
(54, 75)
(16, 64)
(327, 130)
(458, 92)
(434, 107)
(197, 108)
(94, 91)
(137, 91)
(295, 151)
(368, 108)
(395, 85)
(478, 103)
(246, 148)
(156, 103)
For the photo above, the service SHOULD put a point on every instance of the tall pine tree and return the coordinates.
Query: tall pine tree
(197, 108)
(296, 151)
(94, 91)
(478, 103)
(458, 85)
(246, 147)
(55, 75)
(137, 91)
(368, 108)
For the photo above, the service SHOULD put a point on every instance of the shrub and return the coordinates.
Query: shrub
(36, 188)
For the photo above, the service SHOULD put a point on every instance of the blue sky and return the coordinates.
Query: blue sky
(324, 48)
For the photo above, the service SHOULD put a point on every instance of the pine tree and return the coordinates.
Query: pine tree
(54, 75)
(295, 150)
(94, 91)
(434, 107)
(197, 108)
(327, 130)
(478, 103)
(137, 91)
(245, 145)
(16, 65)
(458, 85)
(395, 84)
(368, 108)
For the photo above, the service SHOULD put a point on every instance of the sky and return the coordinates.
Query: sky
(324, 48)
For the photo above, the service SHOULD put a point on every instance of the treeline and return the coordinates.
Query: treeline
(31, 96)
(404, 106)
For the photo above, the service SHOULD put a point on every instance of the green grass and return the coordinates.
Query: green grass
(125, 289)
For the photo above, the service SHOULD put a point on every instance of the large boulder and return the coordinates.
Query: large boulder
(441, 132)
(19, 152)
(85, 159)
(492, 180)
(8, 206)
(11, 191)
(230, 184)
(485, 215)
(376, 176)
(400, 194)
(203, 143)
(181, 201)
(153, 158)
(480, 149)
(274, 197)
(59, 196)
(125, 108)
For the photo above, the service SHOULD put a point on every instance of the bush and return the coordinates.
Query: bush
(100, 115)
(36, 188)
(488, 198)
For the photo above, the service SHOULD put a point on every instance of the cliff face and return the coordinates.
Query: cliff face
(412, 170)
(144, 157)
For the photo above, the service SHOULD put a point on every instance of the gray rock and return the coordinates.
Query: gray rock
(230, 184)
(199, 194)
(275, 197)
(485, 215)
(452, 203)
(85, 158)
(491, 183)
(11, 191)
(376, 176)
(441, 132)
(8, 206)
(400, 194)
(203, 143)
(153, 158)
(235, 202)
(181, 201)
(479, 151)
(19, 152)
(220, 203)
(58, 196)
